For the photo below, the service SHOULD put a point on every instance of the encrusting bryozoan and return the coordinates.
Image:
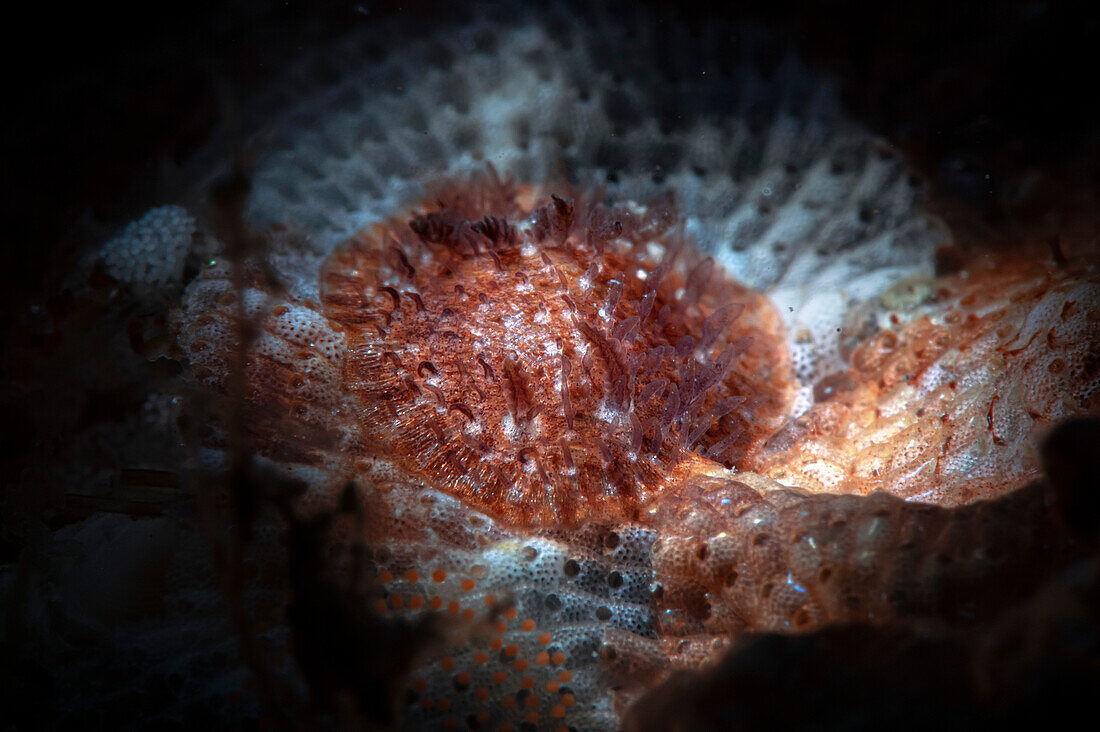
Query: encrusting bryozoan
(541, 393)
(431, 375)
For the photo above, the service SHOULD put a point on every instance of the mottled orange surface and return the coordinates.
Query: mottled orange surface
(946, 402)
(740, 555)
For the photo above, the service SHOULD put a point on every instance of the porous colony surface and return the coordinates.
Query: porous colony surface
(945, 401)
(549, 408)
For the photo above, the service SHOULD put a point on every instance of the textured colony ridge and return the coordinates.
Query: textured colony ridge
(731, 558)
(525, 615)
(563, 629)
(949, 386)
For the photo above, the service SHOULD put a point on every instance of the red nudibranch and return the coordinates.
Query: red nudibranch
(548, 359)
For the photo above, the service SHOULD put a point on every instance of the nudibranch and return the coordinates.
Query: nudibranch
(546, 358)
